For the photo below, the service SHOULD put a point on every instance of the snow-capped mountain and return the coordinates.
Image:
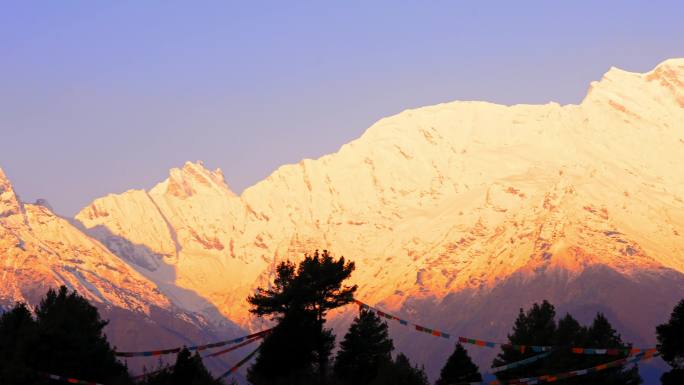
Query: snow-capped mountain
(432, 201)
(456, 215)
(185, 234)
(40, 250)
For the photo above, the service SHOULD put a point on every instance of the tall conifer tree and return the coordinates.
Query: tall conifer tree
(601, 334)
(364, 349)
(459, 368)
(671, 345)
(299, 347)
(537, 326)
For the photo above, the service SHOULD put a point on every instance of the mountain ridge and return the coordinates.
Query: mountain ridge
(480, 174)
(440, 207)
(40, 250)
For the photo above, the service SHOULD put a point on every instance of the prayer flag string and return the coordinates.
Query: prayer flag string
(240, 363)
(520, 363)
(420, 328)
(191, 348)
(69, 379)
(570, 374)
(230, 349)
(491, 344)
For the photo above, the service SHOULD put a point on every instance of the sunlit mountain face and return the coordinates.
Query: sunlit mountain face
(40, 250)
(456, 215)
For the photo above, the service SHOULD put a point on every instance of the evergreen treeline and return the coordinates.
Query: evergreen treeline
(64, 335)
(538, 327)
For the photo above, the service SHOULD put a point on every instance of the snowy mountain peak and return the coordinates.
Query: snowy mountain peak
(673, 64)
(670, 68)
(192, 179)
(631, 93)
(9, 201)
(458, 203)
(42, 250)
(432, 201)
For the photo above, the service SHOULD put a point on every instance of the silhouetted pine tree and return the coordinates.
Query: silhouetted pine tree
(364, 349)
(537, 326)
(601, 334)
(400, 372)
(289, 353)
(671, 345)
(459, 368)
(299, 347)
(18, 332)
(188, 370)
(568, 333)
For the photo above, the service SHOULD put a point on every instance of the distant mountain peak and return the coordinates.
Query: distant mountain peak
(191, 179)
(44, 203)
(633, 92)
(10, 204)
(66, 257)
(40, 250)
(675, 64)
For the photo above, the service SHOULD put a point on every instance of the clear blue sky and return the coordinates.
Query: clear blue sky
(99, 97)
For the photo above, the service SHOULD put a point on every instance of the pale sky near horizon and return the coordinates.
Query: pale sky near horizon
(101, 97)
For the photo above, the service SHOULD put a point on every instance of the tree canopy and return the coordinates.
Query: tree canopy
(314, 285)
(299, 347)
